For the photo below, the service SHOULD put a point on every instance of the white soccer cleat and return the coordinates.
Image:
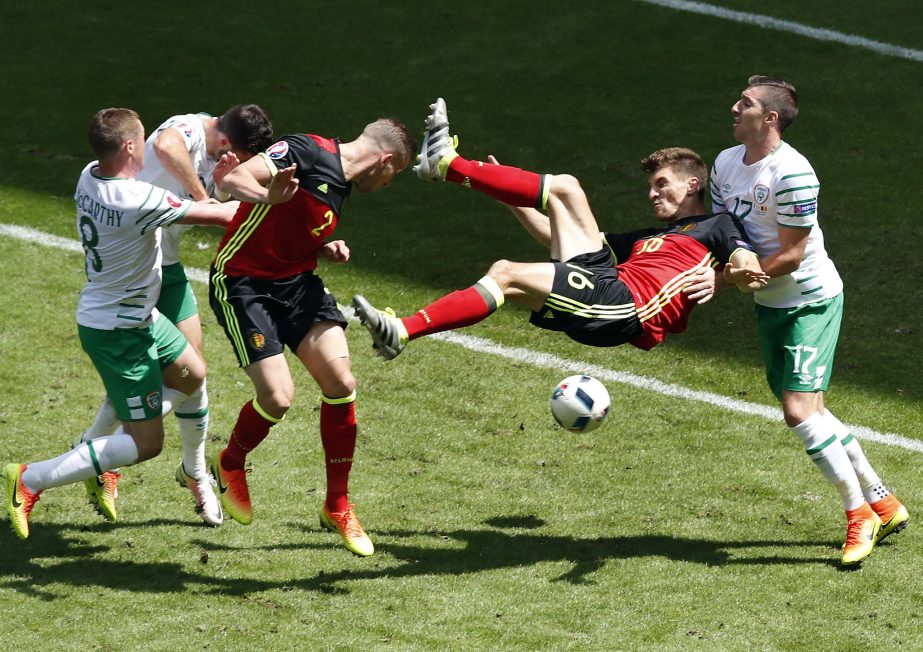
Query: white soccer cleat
(207, 505)
(389, 337)
(438, 148)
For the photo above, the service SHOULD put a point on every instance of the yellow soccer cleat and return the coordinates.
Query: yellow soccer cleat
(102, 490)
(347, 525)
(19, 500)
(862, 526)
(233, 491)
(894, 516)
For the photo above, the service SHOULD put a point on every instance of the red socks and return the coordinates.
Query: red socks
(455, 310)
(512, 186)
(337, 433)
(338, 436)
(251, 428)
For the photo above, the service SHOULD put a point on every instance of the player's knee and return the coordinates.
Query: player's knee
(565, 187)
(277, 402)
(501, 272)
(340, 387)
(148, 447)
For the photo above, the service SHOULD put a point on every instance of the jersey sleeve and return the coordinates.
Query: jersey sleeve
(621, 243)
(796, 198)
(158, 207)
(299, 149)
(717, 201)
(725, 236)
(189, 127)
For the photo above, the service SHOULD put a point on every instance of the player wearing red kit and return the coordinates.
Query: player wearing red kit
(266, 296)
(663, 272)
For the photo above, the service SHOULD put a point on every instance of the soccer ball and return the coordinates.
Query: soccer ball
(579, 403)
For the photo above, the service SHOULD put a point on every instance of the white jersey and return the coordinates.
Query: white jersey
(192, 128)
(779, 190)
(118, 222)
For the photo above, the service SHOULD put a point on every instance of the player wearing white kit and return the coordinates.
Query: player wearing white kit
(182, 155)
(774, 190)
(134, 350)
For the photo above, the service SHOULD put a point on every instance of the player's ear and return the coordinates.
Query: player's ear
(692, 187)
(771, 118)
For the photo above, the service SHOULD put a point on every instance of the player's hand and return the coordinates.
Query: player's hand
(492, 160)
(335, 251)
(701, 285)
(746, 280)
(226, 163)
(282, 187)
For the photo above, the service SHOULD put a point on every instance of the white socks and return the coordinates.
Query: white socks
(825, 450)
(872, 487)
(192, 417)
(82, 462)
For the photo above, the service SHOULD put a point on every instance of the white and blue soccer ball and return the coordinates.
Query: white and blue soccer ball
(580, 403)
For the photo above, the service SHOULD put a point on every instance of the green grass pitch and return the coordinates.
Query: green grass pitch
(679, 525)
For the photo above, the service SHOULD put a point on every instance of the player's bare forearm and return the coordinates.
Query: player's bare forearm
(171, 152)
(792, 245)
(744, 271)
(245, 182)
(210, 213)
(533, 221)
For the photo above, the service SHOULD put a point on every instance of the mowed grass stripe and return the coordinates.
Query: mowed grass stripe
(538, 358)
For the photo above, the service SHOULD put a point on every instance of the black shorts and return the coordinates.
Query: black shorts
(262, 316)
(589, 303)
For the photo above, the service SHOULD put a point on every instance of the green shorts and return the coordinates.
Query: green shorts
(177, 302)
(798, 344)
(130, 362)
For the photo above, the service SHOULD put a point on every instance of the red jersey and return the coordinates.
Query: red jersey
(282, 240)
(658, 263)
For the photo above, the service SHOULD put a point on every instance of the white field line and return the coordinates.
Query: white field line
(539, 359)
(791, 27)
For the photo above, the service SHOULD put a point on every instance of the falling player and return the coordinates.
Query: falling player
(582, 291)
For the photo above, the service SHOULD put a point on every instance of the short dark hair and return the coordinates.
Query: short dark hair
(247, 127)
(780, 96)
(110, 128)
(683, 160)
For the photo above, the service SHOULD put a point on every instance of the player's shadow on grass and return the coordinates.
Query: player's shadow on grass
(458, 552)
(488, 549)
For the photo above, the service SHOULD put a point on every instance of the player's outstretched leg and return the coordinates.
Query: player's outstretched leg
(438, 148)
(19, 500)
(439, 161)
(894, 516)
(207, 505)
(347, 525)
(862, 527)
(389, 337)
(458, 309)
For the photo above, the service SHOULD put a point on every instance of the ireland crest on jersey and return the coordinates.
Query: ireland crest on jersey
(760, 194)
